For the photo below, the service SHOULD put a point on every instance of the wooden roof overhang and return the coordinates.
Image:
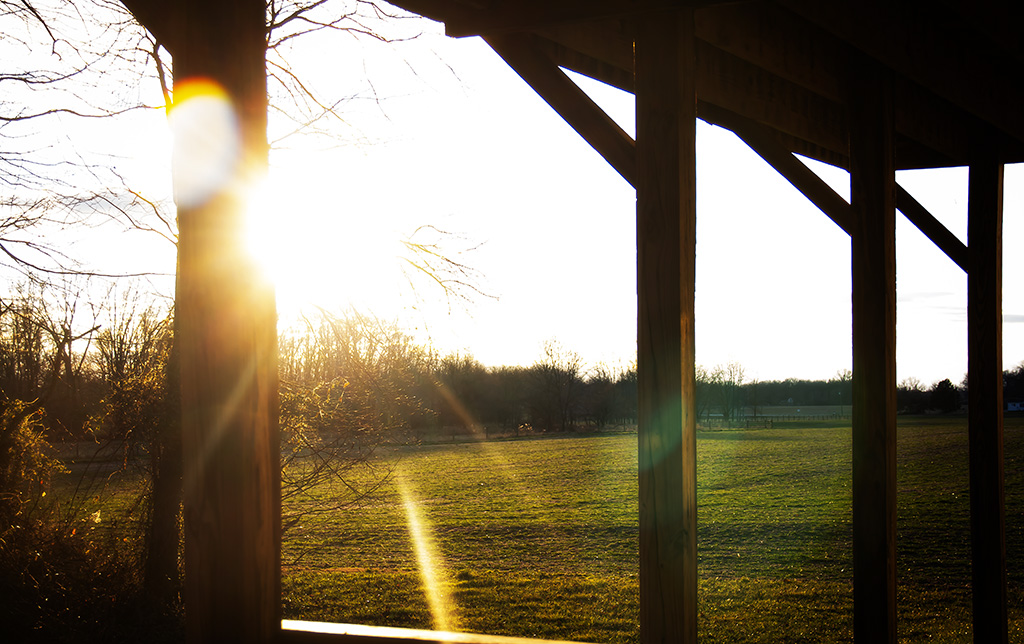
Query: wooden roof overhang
(784, 65)
(868, 86)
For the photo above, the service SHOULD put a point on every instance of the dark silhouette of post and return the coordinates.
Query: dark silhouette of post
(873, 240)
(985, 392)
(666, 231)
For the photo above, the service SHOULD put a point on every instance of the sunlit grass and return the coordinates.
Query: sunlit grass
(540, 538)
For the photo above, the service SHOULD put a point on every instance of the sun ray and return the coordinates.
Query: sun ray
(429, 561)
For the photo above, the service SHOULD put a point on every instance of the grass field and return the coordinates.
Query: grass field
(538, 538)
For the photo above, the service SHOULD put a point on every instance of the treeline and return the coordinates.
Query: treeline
(409, 388)
(99, 371)
(724, 392)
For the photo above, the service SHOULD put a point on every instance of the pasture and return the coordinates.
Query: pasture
(538, 537)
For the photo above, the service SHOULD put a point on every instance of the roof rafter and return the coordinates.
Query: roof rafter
(572, 103)
(761, 141)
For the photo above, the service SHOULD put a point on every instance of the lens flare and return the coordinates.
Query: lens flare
(207, 142)
(429, 561)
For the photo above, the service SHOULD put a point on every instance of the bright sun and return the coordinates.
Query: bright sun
(319, 251)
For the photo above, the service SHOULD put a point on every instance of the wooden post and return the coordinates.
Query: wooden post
(666, 231)
(226, 330)
(873, 238)
(985, 393)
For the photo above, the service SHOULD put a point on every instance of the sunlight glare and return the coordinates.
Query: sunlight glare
(318, 249)
(206, 141)
(428, 559)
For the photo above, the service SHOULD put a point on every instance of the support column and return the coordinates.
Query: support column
(226, 329)
(985, 394)
(873, 190)
(666, 231)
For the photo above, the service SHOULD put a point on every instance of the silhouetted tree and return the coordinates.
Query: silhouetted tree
(1013, 384)
(462, 383)
(944, 396)
(510, 396)
(911, 398)
(625, 391)
(598, 397)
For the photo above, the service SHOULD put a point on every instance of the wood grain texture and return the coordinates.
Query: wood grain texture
(985, 393)
(932, 48)
(873, 191)
(226, 330)
(666, 229)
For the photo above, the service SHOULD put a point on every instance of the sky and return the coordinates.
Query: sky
(438, 134)
(466, 146)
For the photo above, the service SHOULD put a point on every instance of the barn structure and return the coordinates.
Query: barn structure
(867, 85)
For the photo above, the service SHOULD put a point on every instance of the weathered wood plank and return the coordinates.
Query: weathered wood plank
(985, 392)
(932, 49)
(780, 48)
(566, 98)
(743, 88)
(226, 330)
(778, 42)
(666, 252)
(873, 199)
(588, 66)
(529, 15)
(783, 44)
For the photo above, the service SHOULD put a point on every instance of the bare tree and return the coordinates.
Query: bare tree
(348, 384)
(140, 417)
(57, 60)
(705, 383)
(729, 382)
(557, 387)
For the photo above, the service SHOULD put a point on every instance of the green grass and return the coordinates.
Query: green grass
(539, 537)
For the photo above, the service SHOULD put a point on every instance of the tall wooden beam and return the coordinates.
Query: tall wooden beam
(226, 329)
(666, 251)
(572, 103)
(985, 392)
(873, 192)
